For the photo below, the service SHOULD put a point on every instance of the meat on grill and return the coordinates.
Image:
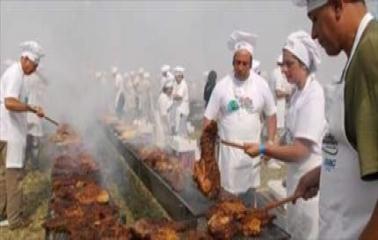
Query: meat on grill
(223, 218)
(206, 172)
(161, 229)
(253, 222)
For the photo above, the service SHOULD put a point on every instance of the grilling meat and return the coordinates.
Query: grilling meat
(253, 222)
(161, 229)
(206, 172)
(223, 218)
(167, 166)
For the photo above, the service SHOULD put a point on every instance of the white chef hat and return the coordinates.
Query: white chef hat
(242, 40)
(32, 50)
(310, 4)
(165, 68)
(179, 70)
(304, 48)
(141, 70)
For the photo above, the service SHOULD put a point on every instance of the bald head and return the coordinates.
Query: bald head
(242, 64)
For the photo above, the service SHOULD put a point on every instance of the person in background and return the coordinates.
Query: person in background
(283, 90)
(306, 125)
(120, 97)
(13, 130)
(236, 104)
(35, 86)
(180, 102)
(210, 85)
(165, 102)
(348, 177)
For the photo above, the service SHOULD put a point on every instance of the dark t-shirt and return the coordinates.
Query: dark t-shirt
(361, 102)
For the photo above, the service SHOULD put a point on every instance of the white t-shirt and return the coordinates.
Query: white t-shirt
(254, 88)
(307, 102)
(182, 91)
(13, 125)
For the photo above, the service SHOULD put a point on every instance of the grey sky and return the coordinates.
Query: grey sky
(80, 37)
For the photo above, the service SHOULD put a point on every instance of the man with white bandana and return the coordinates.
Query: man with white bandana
(348, 177)
(13, 130)
(236, 104)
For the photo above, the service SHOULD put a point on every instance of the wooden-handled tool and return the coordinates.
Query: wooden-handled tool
(232, 144)
(280, 202)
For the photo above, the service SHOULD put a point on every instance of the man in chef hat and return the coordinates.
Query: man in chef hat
(13, 131)
(180, 102)
(236, 104)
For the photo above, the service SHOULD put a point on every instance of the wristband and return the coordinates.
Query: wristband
(262, 149)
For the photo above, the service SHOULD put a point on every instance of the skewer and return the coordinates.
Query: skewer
(51, 120)
(232, 144)
(280, 202)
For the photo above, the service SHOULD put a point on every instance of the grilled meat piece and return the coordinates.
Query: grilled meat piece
(253, 222)
(224, 218)
(198, 235)
(222, 226)
(156, 229)
(206, 172)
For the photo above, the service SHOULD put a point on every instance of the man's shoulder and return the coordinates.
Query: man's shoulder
(12, 71)
(369, 41)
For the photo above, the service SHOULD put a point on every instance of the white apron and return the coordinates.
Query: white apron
(346, 202)
(303, 217)
(239, 172)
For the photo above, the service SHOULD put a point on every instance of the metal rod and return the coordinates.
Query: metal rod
(51, 120)
(280, 202)
(232, 144)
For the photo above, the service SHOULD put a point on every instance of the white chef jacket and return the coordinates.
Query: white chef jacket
(305, 119)
(239, 172)
(13, 125)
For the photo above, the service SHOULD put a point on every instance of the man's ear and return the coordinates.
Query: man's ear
(338, 6)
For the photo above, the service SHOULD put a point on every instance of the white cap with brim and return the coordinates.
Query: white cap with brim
(310, 4)
(304, 48)
(179, 70)
(242, 40)
(32, 50)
